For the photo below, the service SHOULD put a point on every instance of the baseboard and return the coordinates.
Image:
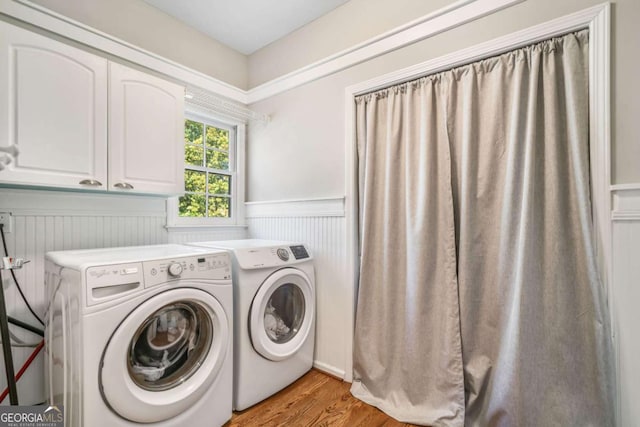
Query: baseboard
(330, 370)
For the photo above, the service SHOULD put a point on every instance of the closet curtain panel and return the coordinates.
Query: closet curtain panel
(407, 348)
(533, 325)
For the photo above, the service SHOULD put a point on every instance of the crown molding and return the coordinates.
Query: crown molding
(441, 20)
(39, 16)
(451, 16)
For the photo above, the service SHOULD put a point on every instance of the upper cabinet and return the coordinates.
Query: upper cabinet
(146, 120)
(53, 107)
(82, 122)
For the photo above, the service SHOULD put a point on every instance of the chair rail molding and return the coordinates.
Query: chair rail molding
(626, 202)
(331, 206)
(30, 202)
(597, 20)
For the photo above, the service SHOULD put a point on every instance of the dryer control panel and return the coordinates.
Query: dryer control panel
(251, 258)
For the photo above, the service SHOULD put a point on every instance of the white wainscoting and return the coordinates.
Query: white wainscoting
(625, 299)
(53, 220)
(319, 223)
(205, 234)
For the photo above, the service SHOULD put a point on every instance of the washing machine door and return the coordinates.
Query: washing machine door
(282, 314)
(164, 355)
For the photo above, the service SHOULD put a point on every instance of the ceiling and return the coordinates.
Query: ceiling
(246, 25)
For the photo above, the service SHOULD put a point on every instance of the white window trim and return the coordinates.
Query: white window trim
(237, 168)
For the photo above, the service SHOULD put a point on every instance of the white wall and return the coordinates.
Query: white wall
(307, 122)
(144, 26)
(352, 23)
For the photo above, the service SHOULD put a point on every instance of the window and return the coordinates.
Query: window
(211, 187)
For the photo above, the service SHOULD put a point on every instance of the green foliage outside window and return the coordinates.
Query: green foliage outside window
(207, 187)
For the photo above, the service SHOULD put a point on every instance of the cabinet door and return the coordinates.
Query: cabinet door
(146, 133)
(53, 107)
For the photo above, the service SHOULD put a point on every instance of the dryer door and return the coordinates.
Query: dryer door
(164, 355)
(282, 314)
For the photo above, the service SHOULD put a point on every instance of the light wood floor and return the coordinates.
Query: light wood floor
(315, 399)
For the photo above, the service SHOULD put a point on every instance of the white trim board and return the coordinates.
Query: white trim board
(597, 20)
(626, 202)
(441, 20)
(331, 370)
(625, 187)
(322, 207)
(76, 203)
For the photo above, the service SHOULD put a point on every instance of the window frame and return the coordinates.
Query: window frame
(237, 136)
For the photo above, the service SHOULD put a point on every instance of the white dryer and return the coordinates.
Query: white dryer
(274, 316)
(140, 336)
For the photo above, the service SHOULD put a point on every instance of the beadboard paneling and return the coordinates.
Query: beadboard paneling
(53, 220)
(325, 236)
(205, 234)
(625, 299)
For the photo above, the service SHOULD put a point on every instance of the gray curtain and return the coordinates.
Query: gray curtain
(479, 300)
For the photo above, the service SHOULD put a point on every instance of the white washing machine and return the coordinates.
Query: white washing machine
(274, 316)
(140, 336)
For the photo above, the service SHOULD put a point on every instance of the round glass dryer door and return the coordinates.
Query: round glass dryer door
(164, 355)
(282, 314)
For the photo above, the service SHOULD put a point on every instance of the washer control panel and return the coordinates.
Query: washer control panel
(111, 281)
(208, 267)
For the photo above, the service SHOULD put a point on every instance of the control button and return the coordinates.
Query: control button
(283, 254)
(192, 267)
(154, 271)
(129, 271)
(174, 269)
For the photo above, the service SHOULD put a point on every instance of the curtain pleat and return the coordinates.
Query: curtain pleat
(407, 344)
(479, 299)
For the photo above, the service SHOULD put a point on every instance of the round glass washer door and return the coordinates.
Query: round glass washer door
(282, 314)
(164, 356)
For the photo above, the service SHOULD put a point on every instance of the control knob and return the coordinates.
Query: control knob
(283, 254)
(175, 269)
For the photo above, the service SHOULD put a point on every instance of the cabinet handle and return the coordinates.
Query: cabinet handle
(92, 182)
(123, 185)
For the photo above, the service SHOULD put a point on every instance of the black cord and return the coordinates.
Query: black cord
(6, 253)
(25, 326)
